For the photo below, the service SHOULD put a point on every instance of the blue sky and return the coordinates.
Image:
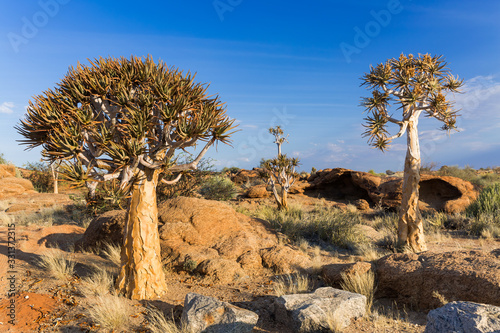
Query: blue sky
(292, 63)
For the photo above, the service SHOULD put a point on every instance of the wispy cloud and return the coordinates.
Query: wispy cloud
(6, 107)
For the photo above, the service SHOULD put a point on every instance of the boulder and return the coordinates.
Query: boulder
(221, 270)
(105, 228)
(458, 276)
(362, 204)
(317, 311)
(464, 317)
(7, 170)
(284, 259)
(212, 224)
(12, 186)
(208, 314)
(258, 191)
(247, 176)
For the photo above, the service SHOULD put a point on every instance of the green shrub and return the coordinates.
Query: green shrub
(470, 175)
(488, 202)
(190, 182)
(40, 176)
(231, 170)
(218, 188)
(485, 212)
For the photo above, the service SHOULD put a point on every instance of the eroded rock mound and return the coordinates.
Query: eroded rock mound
(343, 184)
(458, 276)
(10, 185)
(218, 241)
(443, 193)
(247, 176)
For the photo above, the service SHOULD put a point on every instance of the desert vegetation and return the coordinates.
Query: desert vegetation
(120, 147)
(416, 85)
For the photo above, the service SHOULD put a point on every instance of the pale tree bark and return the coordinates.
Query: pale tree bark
(284, 199)
(55, 177)
(411, 228)
(141, 275)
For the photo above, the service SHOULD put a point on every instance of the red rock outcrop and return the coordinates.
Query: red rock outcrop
(448, 194)
(458, 276)
(218, 239)
(10, 185)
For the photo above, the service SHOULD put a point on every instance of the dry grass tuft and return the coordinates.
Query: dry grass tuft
(361, 283)
(157, 323)
(110, 312)
(99, 283)
(369, 252)
(45, 217)
(439, 297)
(334, 324)
(113, 253)
(57, 264)
(292, 284)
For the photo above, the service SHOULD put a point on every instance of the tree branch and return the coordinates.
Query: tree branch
(194, 164)
(402, 130)
(173, 181)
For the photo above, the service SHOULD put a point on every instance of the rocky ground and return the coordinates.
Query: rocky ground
(211, 249)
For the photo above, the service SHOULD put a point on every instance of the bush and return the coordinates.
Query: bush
(108, 196)
(40, 176)
(335, 226)
(470, 175)
(189, 184)
(488, 202)
(218, 188)
(486, 213)
(231, 170)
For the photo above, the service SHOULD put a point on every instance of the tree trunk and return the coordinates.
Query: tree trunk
(141, 275)
(410, 227)
(55, 176)
(284, 199)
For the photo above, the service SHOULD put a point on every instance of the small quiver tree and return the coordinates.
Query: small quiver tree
(280, 171)
(124, 119)
(415, 85)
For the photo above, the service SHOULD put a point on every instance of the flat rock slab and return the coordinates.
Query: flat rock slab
(207, 314)
(319, 310)
(466, 317)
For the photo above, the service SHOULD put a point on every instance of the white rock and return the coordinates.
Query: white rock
(318, 310)
(208, 314)
(466, 317)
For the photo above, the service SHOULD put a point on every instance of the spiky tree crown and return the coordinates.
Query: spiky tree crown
(414, 85)
(118, 116)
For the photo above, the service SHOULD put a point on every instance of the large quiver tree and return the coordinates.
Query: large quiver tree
(414, 85)
(124, 119)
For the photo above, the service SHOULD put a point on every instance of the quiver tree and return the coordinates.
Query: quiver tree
(412, 86)
(125, 119)
(280, 171)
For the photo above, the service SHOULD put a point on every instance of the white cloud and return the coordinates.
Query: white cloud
(6, 107)
(250, 126)
(332, 147)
